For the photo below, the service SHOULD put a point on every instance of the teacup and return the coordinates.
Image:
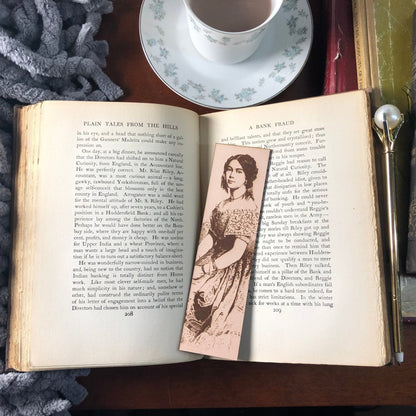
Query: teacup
(225, 33)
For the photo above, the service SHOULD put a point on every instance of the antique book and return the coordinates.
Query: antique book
(383, 46)
(411, 243)
(106, 218)
(383, 49)
(408, 283)
(340, 67)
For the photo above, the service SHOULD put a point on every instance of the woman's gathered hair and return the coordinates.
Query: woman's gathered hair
(249, 166)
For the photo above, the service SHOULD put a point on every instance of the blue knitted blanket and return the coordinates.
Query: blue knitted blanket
(47, 51)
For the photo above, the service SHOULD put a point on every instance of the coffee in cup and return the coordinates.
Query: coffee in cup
(229, 31)
(232, 15)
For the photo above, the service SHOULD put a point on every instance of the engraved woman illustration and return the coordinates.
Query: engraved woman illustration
(223, 263)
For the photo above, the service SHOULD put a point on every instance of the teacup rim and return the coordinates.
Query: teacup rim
(243, 32)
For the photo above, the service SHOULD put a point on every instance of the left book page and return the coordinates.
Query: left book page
(106, 216)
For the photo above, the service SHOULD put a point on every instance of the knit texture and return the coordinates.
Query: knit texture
(47, 52)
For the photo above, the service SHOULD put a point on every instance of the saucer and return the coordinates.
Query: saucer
(271, 69)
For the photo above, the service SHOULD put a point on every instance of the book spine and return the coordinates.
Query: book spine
(411, 244)
(360, 44)
(340, 70)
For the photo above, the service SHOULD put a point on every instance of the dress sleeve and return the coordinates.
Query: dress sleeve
(242, 224)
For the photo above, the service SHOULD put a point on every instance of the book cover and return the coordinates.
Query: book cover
(383, 46)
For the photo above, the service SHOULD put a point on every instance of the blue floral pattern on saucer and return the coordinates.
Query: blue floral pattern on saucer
(273, 67)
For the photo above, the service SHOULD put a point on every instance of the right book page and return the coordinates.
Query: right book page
(317, 291)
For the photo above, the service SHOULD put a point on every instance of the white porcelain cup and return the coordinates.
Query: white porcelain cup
(226, 47)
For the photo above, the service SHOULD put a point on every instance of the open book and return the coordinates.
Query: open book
(107, 200)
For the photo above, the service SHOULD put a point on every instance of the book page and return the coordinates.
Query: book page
(116, 225)
(316, 294)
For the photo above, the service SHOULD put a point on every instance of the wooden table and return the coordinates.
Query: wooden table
(215, 384)
(211, 384)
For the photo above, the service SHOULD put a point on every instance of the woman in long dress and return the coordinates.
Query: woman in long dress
(223, 263)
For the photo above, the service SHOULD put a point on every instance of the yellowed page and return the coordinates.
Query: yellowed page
(317, 295)
(117, 219)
